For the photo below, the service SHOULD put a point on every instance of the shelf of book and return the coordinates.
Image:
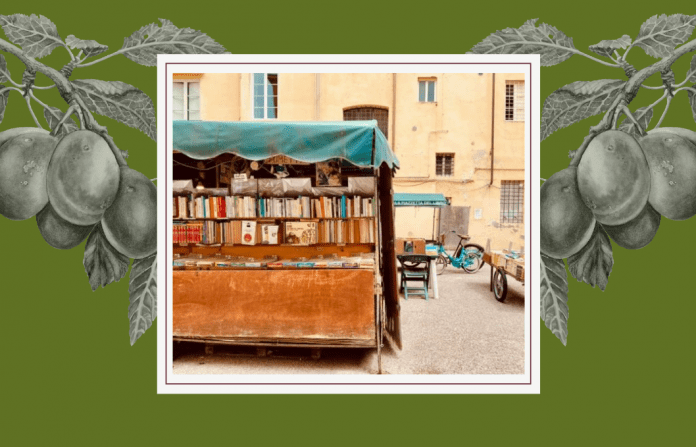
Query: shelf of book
(203, 205)
(274, 231)
(189, 219)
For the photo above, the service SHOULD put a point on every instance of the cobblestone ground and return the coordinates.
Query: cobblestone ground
(465, 331)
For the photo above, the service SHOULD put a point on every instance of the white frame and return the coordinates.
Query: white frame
(186, 108)
(426, 80)
(170, 382)
(265, 97)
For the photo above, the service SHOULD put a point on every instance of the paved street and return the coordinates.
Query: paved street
(465, 331)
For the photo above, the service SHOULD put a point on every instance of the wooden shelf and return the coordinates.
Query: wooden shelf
(190, 219)
(282, 251)
(324, 244)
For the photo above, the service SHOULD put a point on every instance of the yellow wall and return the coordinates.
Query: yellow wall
(218, 92)
(459, 122)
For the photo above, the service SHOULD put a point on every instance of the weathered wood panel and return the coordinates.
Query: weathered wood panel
(303, 305)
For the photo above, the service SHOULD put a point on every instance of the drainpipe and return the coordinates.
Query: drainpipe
(393, 113)
(492, 129)
(317, 96)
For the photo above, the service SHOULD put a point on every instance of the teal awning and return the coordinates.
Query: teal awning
(359, 142)
(413, 199)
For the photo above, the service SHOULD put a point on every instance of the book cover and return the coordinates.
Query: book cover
(248, 232)
(305, 264)
(301, 233)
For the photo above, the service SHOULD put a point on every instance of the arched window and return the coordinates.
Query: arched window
(366, 113)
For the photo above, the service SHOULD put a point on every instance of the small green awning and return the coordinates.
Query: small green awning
(414, 199)
(359, 142)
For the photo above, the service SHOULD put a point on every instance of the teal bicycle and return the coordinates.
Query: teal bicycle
(468, 257)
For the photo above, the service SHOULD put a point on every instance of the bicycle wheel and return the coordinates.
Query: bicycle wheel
(475, 254)
(441, 264)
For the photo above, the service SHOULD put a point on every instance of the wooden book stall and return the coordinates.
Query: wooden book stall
(283, 234)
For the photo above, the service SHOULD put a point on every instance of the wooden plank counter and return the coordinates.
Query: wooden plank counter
(332, 306)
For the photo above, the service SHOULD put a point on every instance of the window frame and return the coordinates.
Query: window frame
(445, 155)
(265, 96)
(434, 87)
(186, 110)
(509, 199)
(514, 102)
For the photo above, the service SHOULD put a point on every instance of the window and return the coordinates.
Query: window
(512, 201)
(265, 95)
(369, 113)
(514, 101)
(187, 100)
(426, 90)
(444, 165)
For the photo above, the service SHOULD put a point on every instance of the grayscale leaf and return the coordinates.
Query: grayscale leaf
(660, 35)
(692, 70)
(551, 44)
(554, 296)
(3, 102)
(592, 264)
(577, 101)
(144, 45)
(643, 116)
(607, 47)
(142, 289)
(53, 116)
(119, 101)
(692, 101)
(103, 263)
(4, 72)
(89, 47)
(37, 35)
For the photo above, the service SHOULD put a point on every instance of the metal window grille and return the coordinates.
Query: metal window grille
(369, 113)
(514, 101)
(265, 95)
(512, 201)
(444, 165)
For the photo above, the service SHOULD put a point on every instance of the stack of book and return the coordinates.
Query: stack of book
(214, 207)
(228, 233)
(342, 207)
(225, 207)
(188, 233)
(346, 232)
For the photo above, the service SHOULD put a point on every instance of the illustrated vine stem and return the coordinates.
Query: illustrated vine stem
(27, 99)
(629, 92)
(67, 92)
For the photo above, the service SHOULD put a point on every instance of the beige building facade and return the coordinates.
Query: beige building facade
(458, 134)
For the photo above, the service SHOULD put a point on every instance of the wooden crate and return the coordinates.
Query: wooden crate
(418, 246)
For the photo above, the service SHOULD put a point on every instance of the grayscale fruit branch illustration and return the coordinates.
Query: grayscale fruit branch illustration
(75, 179)
(623, 178)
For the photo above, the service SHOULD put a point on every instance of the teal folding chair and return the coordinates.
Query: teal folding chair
(415, 275)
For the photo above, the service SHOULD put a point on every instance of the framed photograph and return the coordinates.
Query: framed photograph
(329, 173)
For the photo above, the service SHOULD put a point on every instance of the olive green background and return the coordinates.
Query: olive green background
(68, 372)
